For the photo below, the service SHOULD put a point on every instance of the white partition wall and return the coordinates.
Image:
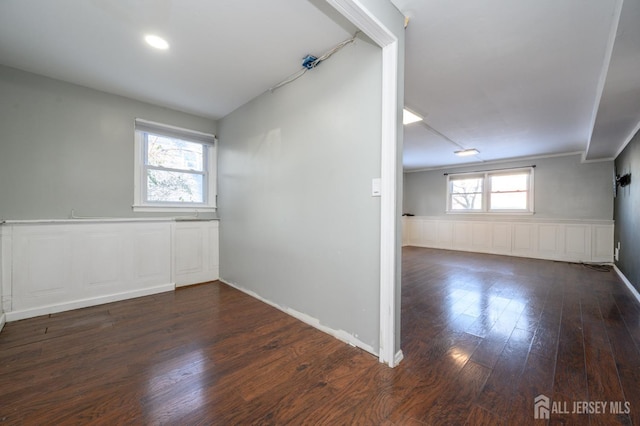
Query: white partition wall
(2, 280)
(52, 266)
(566, 240)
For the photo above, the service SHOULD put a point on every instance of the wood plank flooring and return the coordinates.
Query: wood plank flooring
(482, 336)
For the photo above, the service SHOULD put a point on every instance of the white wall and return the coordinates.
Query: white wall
(67, 147)
(299, 226)
(565, 188)
(393, 20)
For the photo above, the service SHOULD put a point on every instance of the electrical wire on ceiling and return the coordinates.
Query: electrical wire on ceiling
(443, 136)
(310, 62)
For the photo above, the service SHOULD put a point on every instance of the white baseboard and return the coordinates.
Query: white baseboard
(83, 303)
(3, 319)
(630, 286)
(398, 358)
(313, 322)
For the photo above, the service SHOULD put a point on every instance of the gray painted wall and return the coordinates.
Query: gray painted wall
(565, 188)
(298, 224)
(64, 147)
(627, 213)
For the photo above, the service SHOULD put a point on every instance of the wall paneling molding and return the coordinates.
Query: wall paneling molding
(564, 240)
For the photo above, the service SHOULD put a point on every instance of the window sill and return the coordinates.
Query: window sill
(481, 213)
(173, 209)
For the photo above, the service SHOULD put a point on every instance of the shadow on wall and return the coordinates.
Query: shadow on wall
(626, 208)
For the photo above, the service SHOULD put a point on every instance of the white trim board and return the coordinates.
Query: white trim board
(3, 320)
(313, 322)
(367, 22)
(628, 140)
(398, 357)
(508, 160)
(84, 303)
(626, 281)
(613, 31)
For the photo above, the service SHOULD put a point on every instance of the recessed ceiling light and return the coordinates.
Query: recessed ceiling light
(156, 42)
(409, 117)
(467, 152)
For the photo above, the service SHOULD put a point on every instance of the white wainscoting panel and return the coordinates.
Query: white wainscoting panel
(152, 254)
(214, 250)
(577, 241)
(445, 234)
(567, 240)
(501, 238)
(480, 236)
(6, 235)
(462, 234)
(412, 231)
(42, 267)
(524, 241)
(549, 239)
(429, 232)
(196, 252)
(104, 265)
(602, 243)
(53, 266)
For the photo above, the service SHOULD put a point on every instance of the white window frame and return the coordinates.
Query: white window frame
(453, 177)
(486, 191)
(140, 203)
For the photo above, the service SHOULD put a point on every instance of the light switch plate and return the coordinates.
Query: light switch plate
(375, 187)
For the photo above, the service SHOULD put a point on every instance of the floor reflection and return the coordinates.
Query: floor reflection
(184, 374)
(480, 310)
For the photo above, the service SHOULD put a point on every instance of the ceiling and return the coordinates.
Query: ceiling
(223, 53)
(511, 79)
(520, 78)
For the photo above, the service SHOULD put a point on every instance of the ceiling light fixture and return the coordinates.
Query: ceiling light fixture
(466, 152)
(156, 42)
(409, 117)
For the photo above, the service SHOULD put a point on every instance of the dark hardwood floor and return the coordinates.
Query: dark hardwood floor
(482, 336)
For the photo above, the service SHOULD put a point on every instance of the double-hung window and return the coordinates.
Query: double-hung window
(466, 193)
(175, 169)
(507, 191)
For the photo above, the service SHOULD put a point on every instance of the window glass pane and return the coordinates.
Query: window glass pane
(509, 201)
(465, 186)
(515, 182)
(466, 193)
(174, 187)
(466, 201)
(174, 153)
